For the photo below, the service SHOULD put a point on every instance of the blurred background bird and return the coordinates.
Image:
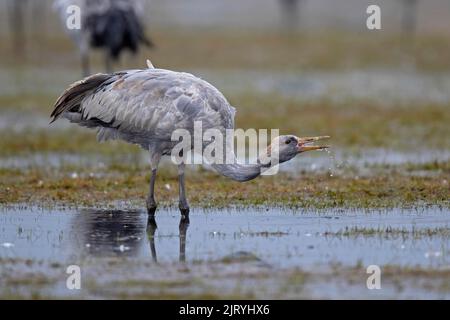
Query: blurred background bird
(110, 25)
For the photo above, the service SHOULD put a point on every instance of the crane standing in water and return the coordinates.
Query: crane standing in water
(111, 25)
(145, 107)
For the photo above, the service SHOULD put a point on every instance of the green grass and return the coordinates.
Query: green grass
(207, 189)
(390, 232)
(216, 280)
(228, 49)
(353, 124)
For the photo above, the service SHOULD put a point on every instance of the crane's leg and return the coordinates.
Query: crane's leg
(184, 206)
(108, 62)
(184, 225)
(83, 47)
(85, 64)
(151, 203)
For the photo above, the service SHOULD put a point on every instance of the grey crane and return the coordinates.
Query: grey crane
(110, 25)
(145, 107)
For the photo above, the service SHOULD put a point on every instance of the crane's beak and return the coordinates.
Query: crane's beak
(304, 143)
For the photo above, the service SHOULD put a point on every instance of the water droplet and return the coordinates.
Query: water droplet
(432, 254)
(123, 248)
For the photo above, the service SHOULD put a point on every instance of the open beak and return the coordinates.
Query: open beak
(304, 144)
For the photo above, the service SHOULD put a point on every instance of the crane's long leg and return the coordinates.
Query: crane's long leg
(83, 47)
(184, 206)
(151, 203)
(85, 64)
(108, 62)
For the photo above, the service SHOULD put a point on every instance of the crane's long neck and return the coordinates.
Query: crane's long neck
(238, 172)
(231, 168)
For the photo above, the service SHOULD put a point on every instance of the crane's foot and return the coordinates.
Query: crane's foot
(184, 212)
(151, 212)
(184, 220)
(151, 208)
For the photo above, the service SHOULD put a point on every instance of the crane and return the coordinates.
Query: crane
(145, 107)
(110, 25)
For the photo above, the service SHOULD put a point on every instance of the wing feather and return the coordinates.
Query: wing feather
(150, 102)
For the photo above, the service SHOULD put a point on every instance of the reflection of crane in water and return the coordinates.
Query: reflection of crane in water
(151, 228)
(105, 233)
(111, 25)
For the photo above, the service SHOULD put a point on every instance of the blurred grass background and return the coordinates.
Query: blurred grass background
(253, 40)
(317, 72)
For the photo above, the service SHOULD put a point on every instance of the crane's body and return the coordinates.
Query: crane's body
(145, 107)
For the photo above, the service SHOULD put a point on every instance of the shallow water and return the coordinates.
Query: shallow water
(275, 237)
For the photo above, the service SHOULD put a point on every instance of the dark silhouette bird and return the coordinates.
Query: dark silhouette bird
(110, 25)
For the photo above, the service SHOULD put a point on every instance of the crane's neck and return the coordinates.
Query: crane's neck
(239, 172)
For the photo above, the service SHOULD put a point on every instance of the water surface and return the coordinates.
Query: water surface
(276, 237)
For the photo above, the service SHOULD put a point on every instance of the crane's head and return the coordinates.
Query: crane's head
(287, 147)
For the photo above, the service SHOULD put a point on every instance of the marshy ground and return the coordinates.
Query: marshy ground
(380, 196)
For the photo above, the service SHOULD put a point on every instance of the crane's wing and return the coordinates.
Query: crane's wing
(150, 102)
